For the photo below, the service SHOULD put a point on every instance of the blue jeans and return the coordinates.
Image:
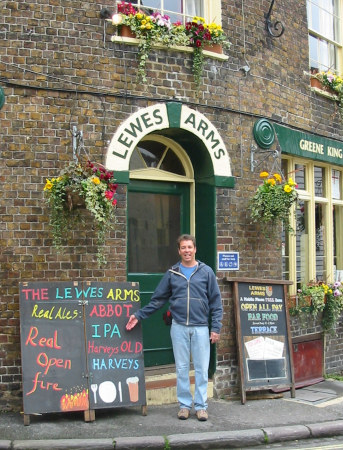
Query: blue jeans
(191, 341)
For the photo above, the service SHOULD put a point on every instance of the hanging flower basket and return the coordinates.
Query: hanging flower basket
(74, 199)
(81, 185)
(272, 202)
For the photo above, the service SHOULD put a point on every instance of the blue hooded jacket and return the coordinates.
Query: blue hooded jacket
(193, 302)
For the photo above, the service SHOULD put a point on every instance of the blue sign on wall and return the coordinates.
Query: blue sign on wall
(228, 261)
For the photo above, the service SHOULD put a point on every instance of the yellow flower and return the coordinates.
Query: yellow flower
(264, 174)
(143, 22)
(96, 180)
(277, 177)
(148, 26)
(139, 16)
(48, 185)
(271, 181)
(291, 182)
(287, 188)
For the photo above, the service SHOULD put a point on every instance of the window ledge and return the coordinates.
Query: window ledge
(324, 93)
(178, 48)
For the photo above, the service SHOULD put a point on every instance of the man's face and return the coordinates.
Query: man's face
(187, 252)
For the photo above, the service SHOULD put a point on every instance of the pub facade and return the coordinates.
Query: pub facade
(186, 154)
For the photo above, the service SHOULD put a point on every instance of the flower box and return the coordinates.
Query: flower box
(215, 48)
(319, 85)
(125, 31)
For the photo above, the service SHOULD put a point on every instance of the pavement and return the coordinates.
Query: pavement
(265, 418)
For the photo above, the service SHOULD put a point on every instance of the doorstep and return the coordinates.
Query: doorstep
(161, 386)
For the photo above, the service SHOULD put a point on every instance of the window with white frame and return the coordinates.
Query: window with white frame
(183, 10)
(315, 251)
(325, 39)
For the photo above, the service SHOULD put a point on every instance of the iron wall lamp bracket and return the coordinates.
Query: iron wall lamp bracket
(275, 29)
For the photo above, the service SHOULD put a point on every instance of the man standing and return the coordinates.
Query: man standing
(195, 303)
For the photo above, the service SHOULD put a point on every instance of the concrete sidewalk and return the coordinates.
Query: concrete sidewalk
(316, 411)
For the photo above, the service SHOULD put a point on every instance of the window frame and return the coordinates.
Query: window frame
(308, 195)
(337, 44)
(212, 10)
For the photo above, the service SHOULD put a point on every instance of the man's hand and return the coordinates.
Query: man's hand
(214, 337)
(132, 322)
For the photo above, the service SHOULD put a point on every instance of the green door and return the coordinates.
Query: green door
(158, 212)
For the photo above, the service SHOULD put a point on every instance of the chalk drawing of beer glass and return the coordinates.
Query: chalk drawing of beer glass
(132, 383)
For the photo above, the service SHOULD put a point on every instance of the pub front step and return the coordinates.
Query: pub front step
(161, 389)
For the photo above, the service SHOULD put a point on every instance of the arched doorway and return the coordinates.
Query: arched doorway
(172, 158)
(159, 210)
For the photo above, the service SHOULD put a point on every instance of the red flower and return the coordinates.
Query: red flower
(198, 43)
(109, 195)
(113, 187)
(114, 202)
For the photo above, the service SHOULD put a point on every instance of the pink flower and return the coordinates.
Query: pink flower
(109, 195)
(114, 202)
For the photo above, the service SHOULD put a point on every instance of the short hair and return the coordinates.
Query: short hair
(185, 237)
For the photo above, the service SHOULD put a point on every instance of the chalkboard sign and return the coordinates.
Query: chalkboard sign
(52, 348)
(114, 355)
(263, 335)
(76, 352)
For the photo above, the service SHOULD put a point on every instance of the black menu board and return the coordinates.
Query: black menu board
(76, 352)
(115, 355)
(263, 335)
(52, 347)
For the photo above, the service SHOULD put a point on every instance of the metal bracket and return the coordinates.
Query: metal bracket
(270, 27)
(83, 302)
(77, 142)
(254, 164)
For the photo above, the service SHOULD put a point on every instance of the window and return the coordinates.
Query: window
(183, 10)
(324, 26)
(315, 250)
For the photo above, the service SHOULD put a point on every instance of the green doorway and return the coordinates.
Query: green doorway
(158, 212)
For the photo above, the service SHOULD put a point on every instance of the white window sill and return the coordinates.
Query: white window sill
(134, 41)
(324, 93)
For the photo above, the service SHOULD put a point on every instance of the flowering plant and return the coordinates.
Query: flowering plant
(202, 34)
(272, 202)
(316, 297)
(157, 29)
(148, 29)
(81, 184)
(335, 83)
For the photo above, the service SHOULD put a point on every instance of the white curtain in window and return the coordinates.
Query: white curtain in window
(193, 8)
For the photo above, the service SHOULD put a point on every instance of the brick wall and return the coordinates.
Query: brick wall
(59, 69)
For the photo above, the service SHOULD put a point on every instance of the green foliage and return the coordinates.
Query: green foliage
(314, 298)
(334, 82)
(271, 204)
(157, 29)
(86, 184)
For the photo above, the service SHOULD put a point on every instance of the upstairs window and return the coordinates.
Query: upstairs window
(324, 25)
(182, 10)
